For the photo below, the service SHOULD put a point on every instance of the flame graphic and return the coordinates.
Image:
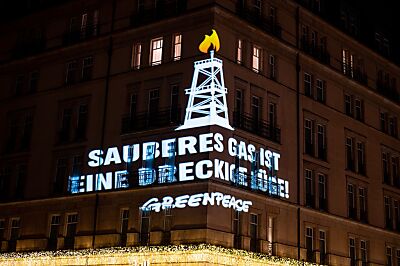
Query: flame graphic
(208, 41)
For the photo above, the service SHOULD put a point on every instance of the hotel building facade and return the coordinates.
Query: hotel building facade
(313, 110)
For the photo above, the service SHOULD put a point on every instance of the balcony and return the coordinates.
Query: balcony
(164, 9)
(79, 35)
(255, 18)
(258, 127)
(146, 121)
(318, 52)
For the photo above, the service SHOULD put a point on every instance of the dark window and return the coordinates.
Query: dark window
(309, 136)
(363, 253)
(389, 256)
(308, 88)
(174, 103)
(154, 100)
(322, 247)
(124, 227)
(61, 175)
(14, 234)
(321, 91)
(310, 244)
(69, 240)
(33, 81)
(72, 70)
(82, 122)
(272, 67)
(351, 197)
(322, 192)
(27, 132)
(2, 230)
(396, 215)
(361, 158)
(362, 194)
(383, 119)
(66, 125)
(397, 256)
(272, 115)
(352, 252)
(19, 85)
(349, 154)
(388, 213)
(253, 232)
(145, 228)
(393, 126)
(359, 112)
(166, 240)
(20, 181)
(54, 232)
(309, 179)
(255, 112)
(321, 142)
(385, 168)
(77, 165)
(395, 171)
(87, 68)
(348, 104)
(236, 229)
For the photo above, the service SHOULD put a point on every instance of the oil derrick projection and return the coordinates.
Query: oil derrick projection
(207, 96)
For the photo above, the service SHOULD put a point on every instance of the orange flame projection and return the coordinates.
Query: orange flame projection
(208, 41)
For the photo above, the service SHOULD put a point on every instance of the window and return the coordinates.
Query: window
(361, 158)
(308, 89)
(145, 228)
(272, 115)
(348, 105)
(14, 233)
(124, 227)
(309, 136)
(349, 154)
(33, 81)
(55, 222)
(174, 101)
(255, 112)
(167, 226)
(321, 91)
(396, 214)
(77, 165)
(321, 142)
(272, 66)
(347, 63)
(154, 100)
(398, 256)
(72, 222)
(87, 68)
(72, 68)
(363, 253)
(61, 176)
(362, 194)
(20, 181)
(256, 59)
(322, 191)
(385, 167)
(239, 52)
(393, 126)
(382, 119)
(389, 256)
(322, 247)
(359, 112)
(395, 171)
(351, 197)
(309, 178)
(352, 251)
(82, 122)
(177, 47)
(236, 229)
(156, 51)
(253, 231)
(19, 84)
(239, 102)
(310, 244)
(132, 106)
(388, 213)
(257, 7)
(136, 55)
(2, 230)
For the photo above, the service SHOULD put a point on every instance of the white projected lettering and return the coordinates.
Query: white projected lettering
(196, 200)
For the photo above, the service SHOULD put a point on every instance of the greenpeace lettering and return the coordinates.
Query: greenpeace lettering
(196, 200)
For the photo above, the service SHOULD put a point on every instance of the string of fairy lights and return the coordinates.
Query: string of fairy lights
(147, 255)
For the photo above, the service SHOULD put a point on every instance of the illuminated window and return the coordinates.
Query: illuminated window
(352, 251)
(136, 55)
(347, 63)
(177, 47)
(87, 68)
(310, 244)
(322, 247)
(156, 47)
(239, 52)
(256, 59)
(55, 223)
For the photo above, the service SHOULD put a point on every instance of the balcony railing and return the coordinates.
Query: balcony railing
(316, 51)
(254, 17)
(145, 121)
(256, 126)
(163, 10)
